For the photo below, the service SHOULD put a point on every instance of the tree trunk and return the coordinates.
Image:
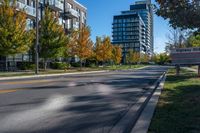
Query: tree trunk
(81, 64)
(103, 64)
(15, 64)
(6, 64)
(97, 64)
(45, 64)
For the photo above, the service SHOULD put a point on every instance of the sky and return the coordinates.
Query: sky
(100, 17)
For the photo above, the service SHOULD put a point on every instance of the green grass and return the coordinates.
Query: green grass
(121, 67)
(194, 67)
(178, 109)
(124, 67)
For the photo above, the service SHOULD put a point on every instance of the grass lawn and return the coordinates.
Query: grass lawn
(120, 67)
(124, 67)
(178, 109)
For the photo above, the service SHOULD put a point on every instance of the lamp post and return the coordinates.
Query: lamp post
(37, 41)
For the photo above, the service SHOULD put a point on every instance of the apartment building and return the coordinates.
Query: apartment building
(72, 15)
(133, 29)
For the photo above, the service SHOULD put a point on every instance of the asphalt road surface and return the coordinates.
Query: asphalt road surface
(89, 103)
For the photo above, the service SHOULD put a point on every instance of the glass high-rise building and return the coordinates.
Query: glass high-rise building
(133, 29)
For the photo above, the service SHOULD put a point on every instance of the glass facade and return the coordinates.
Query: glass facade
(133, 29)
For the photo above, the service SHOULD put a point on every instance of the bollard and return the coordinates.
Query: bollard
(177, 70)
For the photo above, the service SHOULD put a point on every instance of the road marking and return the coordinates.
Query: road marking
(8, 91)
(27, 82)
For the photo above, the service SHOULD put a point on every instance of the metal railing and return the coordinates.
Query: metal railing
(28, 9)
(73, 12)
(56, 3)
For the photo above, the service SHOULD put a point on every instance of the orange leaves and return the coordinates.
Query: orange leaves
(80, 43)
(103, 49)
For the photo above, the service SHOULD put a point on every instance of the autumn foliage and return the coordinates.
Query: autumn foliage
(132, 57)
(14, 38)
(117, 54)
(80, 44)
(103, 49)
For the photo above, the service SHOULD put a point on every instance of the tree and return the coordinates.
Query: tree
(116, 54)
(98, 49)
(14, 38)
(103, 49)
(132, 57)
(180, 13)
(52, 37)
(194, 40)
(107, 49)
(161, 58)
(82, 45)
(177, 38)
(144, 58)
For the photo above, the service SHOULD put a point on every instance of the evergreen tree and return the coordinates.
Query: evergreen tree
(52, 39)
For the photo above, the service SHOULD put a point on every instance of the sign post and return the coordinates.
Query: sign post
(177, 70)
(185, 56)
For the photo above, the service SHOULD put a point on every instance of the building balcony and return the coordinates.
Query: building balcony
(71, 13)
(76, 25)
(31, 11)
(56, 5)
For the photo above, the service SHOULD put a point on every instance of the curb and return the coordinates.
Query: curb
(127, 122)
(60, 74)
(144, 120)
(50, 75)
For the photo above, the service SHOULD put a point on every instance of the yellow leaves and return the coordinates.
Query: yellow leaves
(80, 43)
(14, 38)
(117, 54)
(194, 40)
(132, 56)
(144, 58)
(103, 49)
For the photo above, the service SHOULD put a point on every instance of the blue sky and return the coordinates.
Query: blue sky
(100, 17)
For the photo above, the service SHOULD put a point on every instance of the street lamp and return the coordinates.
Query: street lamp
(37, 41)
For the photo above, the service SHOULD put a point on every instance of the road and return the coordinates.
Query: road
(86, 103)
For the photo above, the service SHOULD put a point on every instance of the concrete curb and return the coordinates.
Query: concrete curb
(50, 75)
(143, 122)
(60, 74)
(127, 122)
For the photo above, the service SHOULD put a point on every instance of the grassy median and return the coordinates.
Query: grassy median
(178, 109)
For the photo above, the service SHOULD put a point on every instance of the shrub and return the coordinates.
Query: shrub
(75, 64)
(26, 66)
(60, 65)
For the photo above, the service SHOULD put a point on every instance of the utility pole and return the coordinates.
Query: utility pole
(37, 41)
